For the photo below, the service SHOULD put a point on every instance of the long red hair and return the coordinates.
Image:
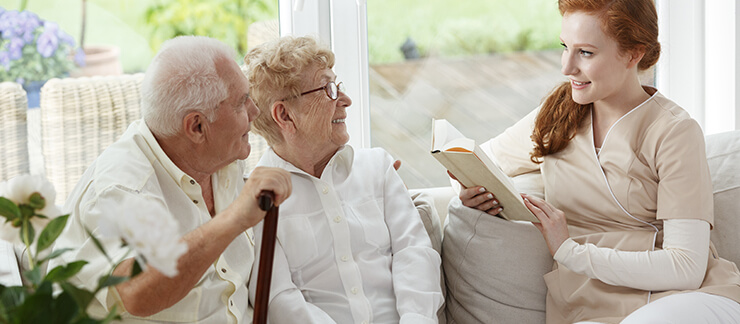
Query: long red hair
(633, 24)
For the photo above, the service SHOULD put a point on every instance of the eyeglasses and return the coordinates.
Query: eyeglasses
(332, 90)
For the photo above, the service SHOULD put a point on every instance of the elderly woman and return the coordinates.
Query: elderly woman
(350, 247)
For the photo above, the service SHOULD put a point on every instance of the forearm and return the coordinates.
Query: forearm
(416, 282)
(681, 264)
(151, 291)
(289, 306)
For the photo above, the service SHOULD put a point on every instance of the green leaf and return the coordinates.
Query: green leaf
(37, 306)
(28, 233)
(64, 308)
(51, 232)
(34, 276)
(62, 273)
(137, 269)
(54, 254)
(9, 209)
(98, 244)
(110, 280)
(82, 297)
(112, 315)
(12, 297)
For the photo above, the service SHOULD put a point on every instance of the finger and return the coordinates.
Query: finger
(495, 211)
(535, 210)
(546, 207)
(539, 227)
(397, 164)
(455, 178)
(469, 193)
(489, 205)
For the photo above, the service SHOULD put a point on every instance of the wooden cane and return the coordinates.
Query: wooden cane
(267, 254)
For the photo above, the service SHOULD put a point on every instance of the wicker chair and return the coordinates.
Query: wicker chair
(13, 138)
(80, 117)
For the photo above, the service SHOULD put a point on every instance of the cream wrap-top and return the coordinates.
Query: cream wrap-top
(652, 166)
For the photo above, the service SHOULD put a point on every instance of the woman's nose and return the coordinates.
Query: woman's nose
(568, 64)
(344, 99)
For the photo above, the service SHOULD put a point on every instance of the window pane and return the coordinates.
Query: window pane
(481, 64)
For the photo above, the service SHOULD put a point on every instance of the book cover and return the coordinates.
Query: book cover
(472, 167)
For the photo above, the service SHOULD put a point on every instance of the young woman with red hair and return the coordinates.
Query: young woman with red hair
(628, 205)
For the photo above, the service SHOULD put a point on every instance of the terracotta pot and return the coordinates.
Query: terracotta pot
(100, 60)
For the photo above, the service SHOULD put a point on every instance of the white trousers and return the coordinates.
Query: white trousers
(686, 308)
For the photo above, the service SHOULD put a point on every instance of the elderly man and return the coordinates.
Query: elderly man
(351, 247)
(182, 157)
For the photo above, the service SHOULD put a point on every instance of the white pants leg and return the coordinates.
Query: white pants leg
(688, 308)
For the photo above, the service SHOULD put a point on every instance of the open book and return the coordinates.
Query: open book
(472, 167)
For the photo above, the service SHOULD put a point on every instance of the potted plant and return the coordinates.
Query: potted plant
(33, 50)
(26, 202)
(98, 59)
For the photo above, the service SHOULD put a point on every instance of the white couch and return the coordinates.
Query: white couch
(513, 291)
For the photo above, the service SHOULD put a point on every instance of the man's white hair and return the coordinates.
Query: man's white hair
(182, 78)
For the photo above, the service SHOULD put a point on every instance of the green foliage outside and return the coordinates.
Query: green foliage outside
(469, 27)
(439, 28)
(227, 20)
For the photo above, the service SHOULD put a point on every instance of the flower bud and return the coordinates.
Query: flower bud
(37, 201)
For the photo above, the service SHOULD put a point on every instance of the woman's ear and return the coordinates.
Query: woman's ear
(282, 117)
(195, 126)
(635, 56)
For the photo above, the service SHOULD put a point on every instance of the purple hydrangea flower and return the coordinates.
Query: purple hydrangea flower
(5, 59)
(15, 48)
(47, 43)
(80, 57)
(9, 23)
(52, 47)
(64, 37)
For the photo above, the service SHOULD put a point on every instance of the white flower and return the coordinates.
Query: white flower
(19, 190)
(152, 235)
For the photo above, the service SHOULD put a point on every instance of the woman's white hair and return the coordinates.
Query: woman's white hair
(182, 78)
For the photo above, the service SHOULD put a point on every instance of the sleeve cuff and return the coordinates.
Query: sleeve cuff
(417, 319)
(564, 249)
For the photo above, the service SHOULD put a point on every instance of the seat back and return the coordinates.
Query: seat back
(80, 117)
(13, 137)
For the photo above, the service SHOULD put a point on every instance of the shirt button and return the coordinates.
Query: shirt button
(354, 290)
(231, 302)
(337, 219)
(195, 202)
(345, 258)
(192, 182)
(228, 182)
(325, 190)
(223, 270)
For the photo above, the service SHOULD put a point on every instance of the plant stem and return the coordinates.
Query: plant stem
(27, 242)
(22, 6)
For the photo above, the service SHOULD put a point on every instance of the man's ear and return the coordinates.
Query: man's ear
(283, 117)
(195, 125)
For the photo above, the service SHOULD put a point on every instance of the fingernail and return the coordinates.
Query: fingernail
(489, 196)
(482, 189)
(527, 200)
(495, 202)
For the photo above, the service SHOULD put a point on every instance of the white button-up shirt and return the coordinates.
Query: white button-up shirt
(351, 247)
(137, 168)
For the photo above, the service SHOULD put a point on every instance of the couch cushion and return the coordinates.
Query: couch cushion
(493, 268)
(723, 156)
